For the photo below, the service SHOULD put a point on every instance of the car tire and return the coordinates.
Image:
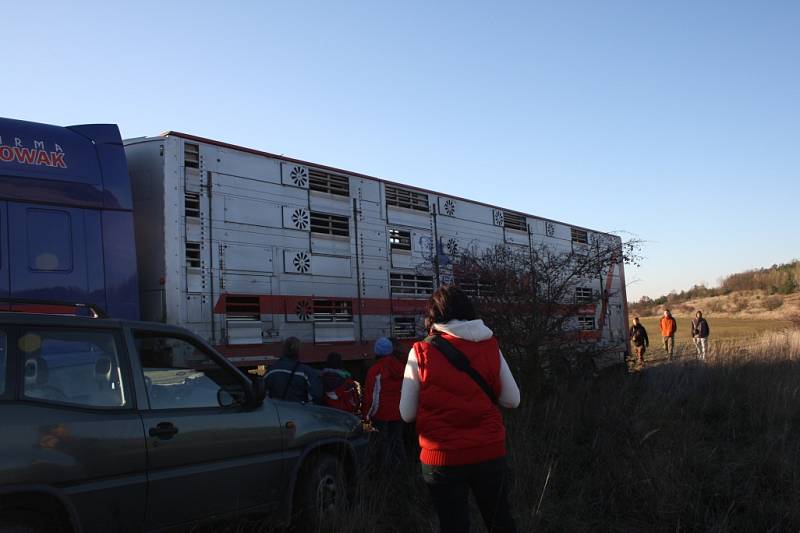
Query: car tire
(321, 493)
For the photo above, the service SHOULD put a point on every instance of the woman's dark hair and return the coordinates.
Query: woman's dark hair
(446, 304)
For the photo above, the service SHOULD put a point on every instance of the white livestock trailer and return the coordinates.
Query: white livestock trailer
(246, 248)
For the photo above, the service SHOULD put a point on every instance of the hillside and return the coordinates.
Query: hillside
(769, 293)
(738, 304)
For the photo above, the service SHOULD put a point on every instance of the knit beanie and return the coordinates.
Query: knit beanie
(383, 346)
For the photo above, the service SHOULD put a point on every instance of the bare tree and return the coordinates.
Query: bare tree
(532, 296)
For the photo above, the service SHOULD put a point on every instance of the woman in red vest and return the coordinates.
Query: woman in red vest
(460, 427)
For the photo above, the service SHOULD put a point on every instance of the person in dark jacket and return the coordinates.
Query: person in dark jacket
(461, 431)
(700, 332)
(289, 379)
(639, 339)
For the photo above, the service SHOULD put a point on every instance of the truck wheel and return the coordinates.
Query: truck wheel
(322, 492)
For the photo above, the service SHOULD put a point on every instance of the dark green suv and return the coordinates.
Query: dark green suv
(112, 425)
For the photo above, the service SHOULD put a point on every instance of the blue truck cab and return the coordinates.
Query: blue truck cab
(66, 218)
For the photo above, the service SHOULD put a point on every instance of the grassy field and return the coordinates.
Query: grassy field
(725, 332)
(677, 447)
(721, 328)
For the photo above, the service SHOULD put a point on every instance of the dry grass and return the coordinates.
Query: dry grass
(678, 447)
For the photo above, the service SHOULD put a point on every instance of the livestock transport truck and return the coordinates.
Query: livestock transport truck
(245, 247)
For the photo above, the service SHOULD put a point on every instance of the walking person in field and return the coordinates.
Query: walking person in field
(639, 339)
(700, 332)
(668, 328)
(454, 384)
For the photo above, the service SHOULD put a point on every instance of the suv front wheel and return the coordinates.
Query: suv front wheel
(321, 492)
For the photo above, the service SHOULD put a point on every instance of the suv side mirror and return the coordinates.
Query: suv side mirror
(225, 398)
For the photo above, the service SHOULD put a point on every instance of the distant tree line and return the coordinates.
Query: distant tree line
(777, 279)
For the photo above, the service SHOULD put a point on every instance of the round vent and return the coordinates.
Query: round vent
(449, 207)
(303, 310)
(550, 229)
(299, 176)
(452, 246)
(300, 218)
(302, 263)
(499, 219)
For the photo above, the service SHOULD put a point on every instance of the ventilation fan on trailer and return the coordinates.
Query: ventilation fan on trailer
(499, 219)
(550, 229)
(299, 176)
(302, 263)
(452, 246)
(449, 207)
(303, 310)
(300, 218)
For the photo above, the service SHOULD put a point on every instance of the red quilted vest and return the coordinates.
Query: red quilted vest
(457, 422)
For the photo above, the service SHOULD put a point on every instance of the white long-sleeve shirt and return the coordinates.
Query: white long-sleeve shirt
(472, 330)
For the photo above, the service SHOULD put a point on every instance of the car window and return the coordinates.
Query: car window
(3, 362)
(178, 374)
(72, 366)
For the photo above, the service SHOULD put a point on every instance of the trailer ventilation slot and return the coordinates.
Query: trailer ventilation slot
(404, 327)
(584, 295)
(412, 284)
(329, 183)
(514, 221)
(193, 255)
(191, 204)
(400, 239)
(580, 236)
(475, 285)
(243, 307)
(586, 323)
(325, 224)
(191, 155)
(406, 198)
(333, 311)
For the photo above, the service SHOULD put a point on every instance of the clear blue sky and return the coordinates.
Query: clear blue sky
(678, 122)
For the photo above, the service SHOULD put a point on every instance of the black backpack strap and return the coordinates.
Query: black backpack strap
(460, 361)
(289, 381)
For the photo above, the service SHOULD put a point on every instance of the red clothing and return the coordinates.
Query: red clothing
(382, 391)
(457, 422)
(668, 326)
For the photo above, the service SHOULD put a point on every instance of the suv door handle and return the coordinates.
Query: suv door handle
(163, 430)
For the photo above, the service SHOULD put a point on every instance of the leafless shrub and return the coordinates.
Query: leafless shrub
(773, 302)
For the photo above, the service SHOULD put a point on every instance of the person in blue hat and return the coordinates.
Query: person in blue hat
(381, 402)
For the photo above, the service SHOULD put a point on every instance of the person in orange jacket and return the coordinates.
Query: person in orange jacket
(381, 402)
(668, 328)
